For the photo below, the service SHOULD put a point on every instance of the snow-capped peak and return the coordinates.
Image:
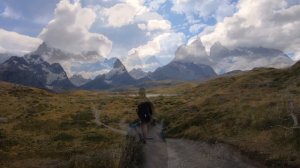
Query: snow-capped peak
(34, 59)
(118, 69)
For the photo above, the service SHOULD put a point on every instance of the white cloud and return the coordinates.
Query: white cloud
(2, 50)
(69, 30)
(153, 25)
(10, 13)
(158, 25)
(133, 61)
(12, 42)
(151, 48)
(163, 46)
(267, 23)
(156, 4)
(195, 28)
(123, 13)
(217, 9)
(142, 26)
(120, 14)
(92, 74)
(192, 52)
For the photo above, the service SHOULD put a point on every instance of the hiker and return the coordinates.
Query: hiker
(145, 110)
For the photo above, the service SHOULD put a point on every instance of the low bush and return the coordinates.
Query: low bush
(63, 137)
(94, 137)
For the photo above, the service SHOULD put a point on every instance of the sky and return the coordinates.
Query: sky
(135, 30)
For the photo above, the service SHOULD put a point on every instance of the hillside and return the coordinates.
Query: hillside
(249, 111)
(40, 128)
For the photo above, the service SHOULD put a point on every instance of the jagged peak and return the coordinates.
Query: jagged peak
(34, 58)
(118, 64)
(217, 45)
(152, 59)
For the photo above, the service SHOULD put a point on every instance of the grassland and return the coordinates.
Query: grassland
(250, 111)
(44, 129)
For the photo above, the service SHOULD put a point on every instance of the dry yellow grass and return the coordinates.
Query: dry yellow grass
(51, 128)
(249, 111)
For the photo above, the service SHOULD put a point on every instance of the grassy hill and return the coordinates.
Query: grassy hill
(249, 111)
(47, 129)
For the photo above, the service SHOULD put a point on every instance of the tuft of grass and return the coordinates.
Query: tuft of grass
(103, 159)
(63, 137)
(83, 118)
(249, 111)
(95, 137)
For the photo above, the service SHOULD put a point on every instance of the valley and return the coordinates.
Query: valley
(248, 111)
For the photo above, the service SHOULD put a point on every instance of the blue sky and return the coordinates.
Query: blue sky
(31, 16)
(135, 30)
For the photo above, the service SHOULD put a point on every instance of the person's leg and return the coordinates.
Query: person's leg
(144, 130)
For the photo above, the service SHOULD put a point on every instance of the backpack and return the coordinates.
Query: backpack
(145, 111)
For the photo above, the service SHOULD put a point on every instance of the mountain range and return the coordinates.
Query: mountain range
(138, 73)
(223, 59)
(116, 77)
(191, 63)
(79, 80)
(32, 70)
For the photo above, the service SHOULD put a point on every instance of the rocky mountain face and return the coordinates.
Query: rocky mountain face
(32, 70)
(4, 57)
(50, 54)
(79, 80)
(183, 71)
(243, 58)
(138, 73)
(192, 53)
(152, 60)
(190, 64)
(223, 59)
(116, 77)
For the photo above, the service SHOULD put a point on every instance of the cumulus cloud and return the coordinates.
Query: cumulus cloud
(69, 30)
(133, 61)
(10, 13)
(2, 50)
(120, 14)
(195, 28)
(267, 23)
(153, 25)
(195, 9)
(12, 42)
(156, 4)
(124, 13)
(163, 46)
(192, 52)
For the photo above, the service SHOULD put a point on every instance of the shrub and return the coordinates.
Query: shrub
(94, 137)
(63, 137)
(82, 118)
(2, 134)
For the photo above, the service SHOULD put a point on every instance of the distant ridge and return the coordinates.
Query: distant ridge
(32, 70)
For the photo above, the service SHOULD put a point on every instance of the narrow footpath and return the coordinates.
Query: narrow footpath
(182, 153)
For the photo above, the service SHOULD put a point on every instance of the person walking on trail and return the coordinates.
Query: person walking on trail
(145, 110)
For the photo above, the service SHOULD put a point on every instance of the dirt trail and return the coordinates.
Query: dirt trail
(181, 153)
(99, 123)
(155, 150)
(195, 154)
